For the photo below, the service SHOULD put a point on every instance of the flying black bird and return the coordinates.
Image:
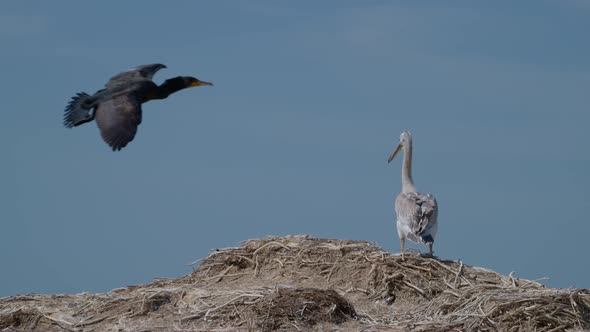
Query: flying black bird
(117, 107)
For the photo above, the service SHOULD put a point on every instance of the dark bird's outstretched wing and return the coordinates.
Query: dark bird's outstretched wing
(139, 73)
(117, 119)
(419, 211)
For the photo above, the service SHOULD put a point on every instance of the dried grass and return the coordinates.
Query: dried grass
(303, 283)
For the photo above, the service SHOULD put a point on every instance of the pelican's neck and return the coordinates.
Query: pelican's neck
(407, 182)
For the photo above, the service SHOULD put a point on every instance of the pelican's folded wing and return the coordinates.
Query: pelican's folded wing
(419, 211)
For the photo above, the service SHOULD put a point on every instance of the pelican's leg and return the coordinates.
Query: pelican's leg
(403, 242)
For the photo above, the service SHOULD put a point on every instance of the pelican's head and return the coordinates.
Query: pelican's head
(405, 140)
(405, 137)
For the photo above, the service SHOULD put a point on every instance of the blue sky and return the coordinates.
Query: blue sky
(309, 101)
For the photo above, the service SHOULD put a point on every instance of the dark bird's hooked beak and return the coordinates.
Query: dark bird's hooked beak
(399, 147)
(201, 83)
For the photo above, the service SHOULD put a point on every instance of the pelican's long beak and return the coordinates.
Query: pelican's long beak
(201, 83)
(399, 147)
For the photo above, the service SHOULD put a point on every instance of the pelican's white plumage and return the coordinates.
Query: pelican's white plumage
(416, 212)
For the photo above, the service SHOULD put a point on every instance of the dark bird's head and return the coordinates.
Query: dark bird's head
(175, 84)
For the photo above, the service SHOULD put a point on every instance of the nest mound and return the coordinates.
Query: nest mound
(302, 283)
(302, 307)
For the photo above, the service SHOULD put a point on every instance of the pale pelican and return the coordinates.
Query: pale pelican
(416, 212)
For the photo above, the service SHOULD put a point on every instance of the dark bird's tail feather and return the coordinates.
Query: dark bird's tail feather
(79, 110)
